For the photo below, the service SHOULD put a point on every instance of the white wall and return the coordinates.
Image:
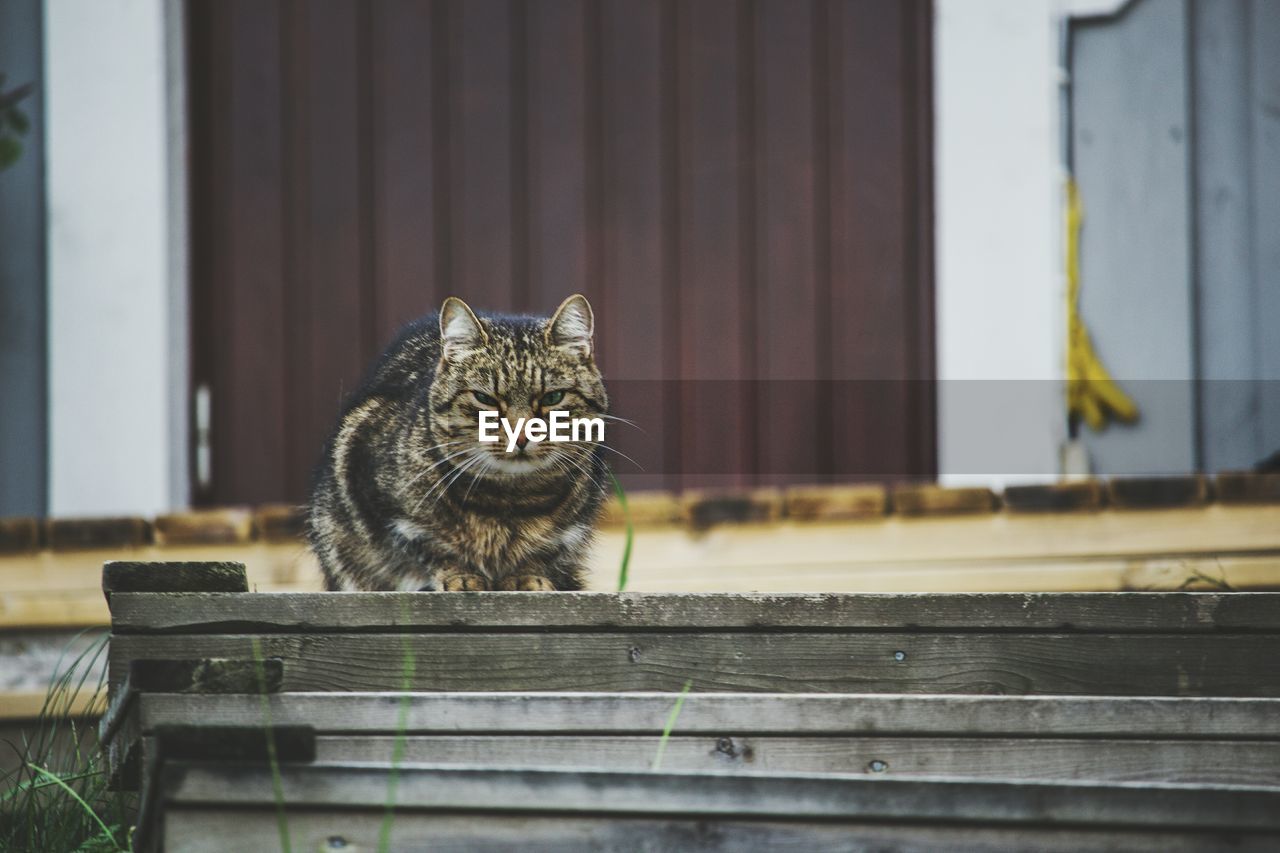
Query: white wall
(1000, 288)
(114, 422)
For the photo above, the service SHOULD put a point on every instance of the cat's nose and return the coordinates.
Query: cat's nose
(522, 440)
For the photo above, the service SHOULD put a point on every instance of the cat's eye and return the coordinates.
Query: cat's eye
(484, 399)
(551, 398)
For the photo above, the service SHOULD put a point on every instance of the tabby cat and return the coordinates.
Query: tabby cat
(408, 498)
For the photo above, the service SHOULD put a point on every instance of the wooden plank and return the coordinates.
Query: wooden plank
(1247, 487)
(1154, 492)
(800, 662)
(1225, 531)
(644, 508)
(206, 675)
(19, 535)
(706, 509)
(204, 527)
(718, 714)
(1187, 762)
(1148, 613)
(198, 831)
(760, 796)
(133, 576)
(280, 522)
(27, 704)
(934, 500)
(254, 743)
(49, 603)
(64, 534)
(834, 503)
(991, 536)
(1057, 497)
(1116, 574)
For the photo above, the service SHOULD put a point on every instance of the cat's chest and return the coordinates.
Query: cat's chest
(485, 539)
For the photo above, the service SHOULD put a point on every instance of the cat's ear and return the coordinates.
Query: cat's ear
(572, 325)
(460, 329)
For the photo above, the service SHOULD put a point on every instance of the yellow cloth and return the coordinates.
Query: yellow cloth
(1091, 392)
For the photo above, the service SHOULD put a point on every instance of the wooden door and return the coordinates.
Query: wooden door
(741, 187)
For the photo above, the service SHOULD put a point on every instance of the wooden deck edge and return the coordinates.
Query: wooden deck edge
(697, 510)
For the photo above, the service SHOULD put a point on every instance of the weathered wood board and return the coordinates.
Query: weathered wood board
(273, 613)
(569, 809)
(726, 713)
(1191, 644)
(1208, 741)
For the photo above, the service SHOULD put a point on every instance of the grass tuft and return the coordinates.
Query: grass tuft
(58, 795)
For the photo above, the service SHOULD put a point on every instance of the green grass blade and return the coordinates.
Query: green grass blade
(277, 782)
(626, 517)
(407, 667)
(671, 724)
(87, 809)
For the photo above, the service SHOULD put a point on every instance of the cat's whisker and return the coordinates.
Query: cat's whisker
(457, 475)
(435, 465)
(624, 421)
(475, 477)
(443, 479)
(581, 469)
(604, 446)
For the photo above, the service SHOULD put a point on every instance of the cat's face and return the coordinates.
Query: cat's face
(520, 368)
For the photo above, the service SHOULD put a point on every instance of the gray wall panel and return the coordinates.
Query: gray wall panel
(23, 456)
(1130, 127)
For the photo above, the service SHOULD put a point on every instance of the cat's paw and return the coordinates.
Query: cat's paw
(526, 583)
(463, 582)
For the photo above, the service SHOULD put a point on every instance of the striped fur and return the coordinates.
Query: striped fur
(407, 498)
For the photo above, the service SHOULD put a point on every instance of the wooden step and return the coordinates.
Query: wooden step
(1206, 741)
(1125, 644)
(209, 806)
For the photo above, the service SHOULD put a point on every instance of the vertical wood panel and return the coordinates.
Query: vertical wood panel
(636, 163)
(717, 273)
(557, 152)
(403, 137)
(481, 190)
(869, 215)
(330, 271)
(249, 382)
(790, 444)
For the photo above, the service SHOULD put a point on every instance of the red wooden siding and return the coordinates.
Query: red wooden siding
(741, 187)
